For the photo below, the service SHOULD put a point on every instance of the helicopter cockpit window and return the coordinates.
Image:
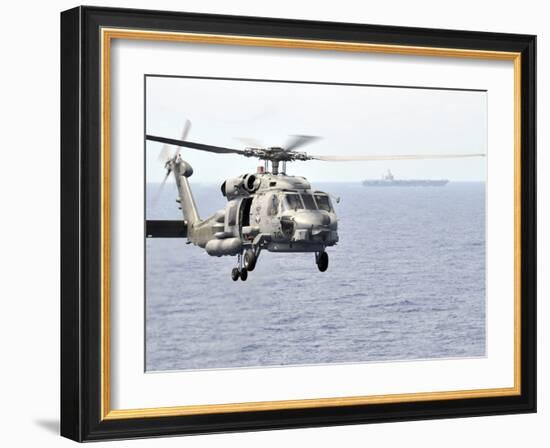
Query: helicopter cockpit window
(323, 202)
(309, 202)
(293, 202)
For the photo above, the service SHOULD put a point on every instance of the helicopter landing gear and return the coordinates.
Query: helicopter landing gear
(240, 271)
(321, 258)
(235, 274)
(250, 258)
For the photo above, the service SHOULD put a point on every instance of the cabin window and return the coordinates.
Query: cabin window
(309, 202)
(293, 202)
(273, 205)
(323, 202)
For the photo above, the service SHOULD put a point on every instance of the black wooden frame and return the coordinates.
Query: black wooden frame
(80, 224)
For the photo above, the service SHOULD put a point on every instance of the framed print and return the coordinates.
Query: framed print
(275, 224)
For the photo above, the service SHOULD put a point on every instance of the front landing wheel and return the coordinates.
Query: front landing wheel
(235, 274)
(322, 261)
(244, 274)
(250, 258)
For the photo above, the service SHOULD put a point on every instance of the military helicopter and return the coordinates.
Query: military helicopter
(267, 210)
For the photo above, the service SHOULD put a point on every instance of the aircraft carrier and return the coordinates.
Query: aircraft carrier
(388, 180)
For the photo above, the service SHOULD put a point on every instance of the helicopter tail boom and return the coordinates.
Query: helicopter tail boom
(182, 170)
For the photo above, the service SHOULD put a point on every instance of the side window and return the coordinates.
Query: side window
(323, 202)
(273, 205)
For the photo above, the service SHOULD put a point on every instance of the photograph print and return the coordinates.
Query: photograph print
(306, 223)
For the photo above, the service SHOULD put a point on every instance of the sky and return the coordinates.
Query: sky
(348, 119)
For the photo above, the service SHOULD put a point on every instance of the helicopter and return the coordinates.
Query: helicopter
(266, 210)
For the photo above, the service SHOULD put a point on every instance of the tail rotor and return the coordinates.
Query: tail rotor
(168, 156)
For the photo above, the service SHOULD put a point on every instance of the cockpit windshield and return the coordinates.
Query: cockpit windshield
(293, 202)
(323, 202)
(308, 201)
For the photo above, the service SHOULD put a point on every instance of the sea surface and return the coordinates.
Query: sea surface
(406, 281)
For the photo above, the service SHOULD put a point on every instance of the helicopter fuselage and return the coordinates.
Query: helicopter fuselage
(279, 213)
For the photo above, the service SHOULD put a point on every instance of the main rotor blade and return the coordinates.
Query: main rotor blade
(296, 141)
(251, 142)
(199, 146)
(358, 158)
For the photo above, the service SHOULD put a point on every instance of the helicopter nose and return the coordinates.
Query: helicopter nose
(307, 220)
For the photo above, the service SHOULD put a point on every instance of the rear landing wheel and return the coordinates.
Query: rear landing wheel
(235, 274)
(322, 261)
(244, 274)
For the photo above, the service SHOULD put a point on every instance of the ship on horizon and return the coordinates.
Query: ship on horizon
(388, 180)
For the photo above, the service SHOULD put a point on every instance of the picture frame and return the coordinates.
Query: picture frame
(87, 34)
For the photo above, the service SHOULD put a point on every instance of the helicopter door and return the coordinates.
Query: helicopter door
(244, 215)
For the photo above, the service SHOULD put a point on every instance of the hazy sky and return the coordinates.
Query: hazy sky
(350, 120)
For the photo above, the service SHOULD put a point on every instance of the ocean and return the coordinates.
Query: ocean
(406, 281)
